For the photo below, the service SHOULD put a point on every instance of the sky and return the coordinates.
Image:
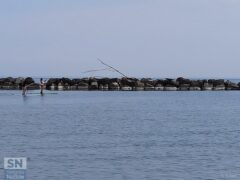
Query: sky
(141, 38)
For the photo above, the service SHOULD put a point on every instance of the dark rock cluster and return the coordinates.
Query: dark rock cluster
(11, 83)
(124, 84)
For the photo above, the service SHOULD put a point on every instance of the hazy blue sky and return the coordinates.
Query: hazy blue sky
(154, 38)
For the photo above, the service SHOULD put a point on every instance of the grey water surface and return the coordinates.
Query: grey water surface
(123, 135)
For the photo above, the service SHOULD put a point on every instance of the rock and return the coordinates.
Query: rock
(138, 89)
(114, 80)
(103, 81)
(219, 88)
(103, 87)
(53, 87)
(149, 88)
(139, 84)
(184, 84)
(171, 83)
(76, 81)
(104, 84)
(66, 86)
(93, 85)
(159, 87)
(60, 87)
(52, 82)
(74, 87)
(231, 85)
(170, 88)
(195, 83)
(100, 87)
(127, 84)
(207, 87)
(148, 82)
(195, 88)
(28, 81)
(114, 86)
(2, 80)
(66, 81)
(8, 83)
(184, 87)
(10, 80)
(149, 85)
(218, 82)
(159, 82)
(124, 82)
(86, 80)
(8, 87)
(19, 81)
(182, 80)
(82, 86)
(126, 88)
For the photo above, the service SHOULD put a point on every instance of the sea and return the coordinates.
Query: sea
(96, 135)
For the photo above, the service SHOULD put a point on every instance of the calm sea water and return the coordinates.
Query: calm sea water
(123, 135)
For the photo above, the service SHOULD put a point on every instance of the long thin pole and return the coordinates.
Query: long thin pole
(95, 70)
(112, 67)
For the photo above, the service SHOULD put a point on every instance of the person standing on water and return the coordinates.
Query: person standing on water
(42, 83)
(24, 89)
(27, 82)
(25, 85)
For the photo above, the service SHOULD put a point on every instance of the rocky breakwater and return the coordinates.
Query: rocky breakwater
(122, 84)
(11, 83)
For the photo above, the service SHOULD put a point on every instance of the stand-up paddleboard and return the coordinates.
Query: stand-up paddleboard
(40, 94)
(37, 94)
(7, 94)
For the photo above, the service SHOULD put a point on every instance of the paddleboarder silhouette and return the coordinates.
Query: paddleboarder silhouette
(42, 83)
